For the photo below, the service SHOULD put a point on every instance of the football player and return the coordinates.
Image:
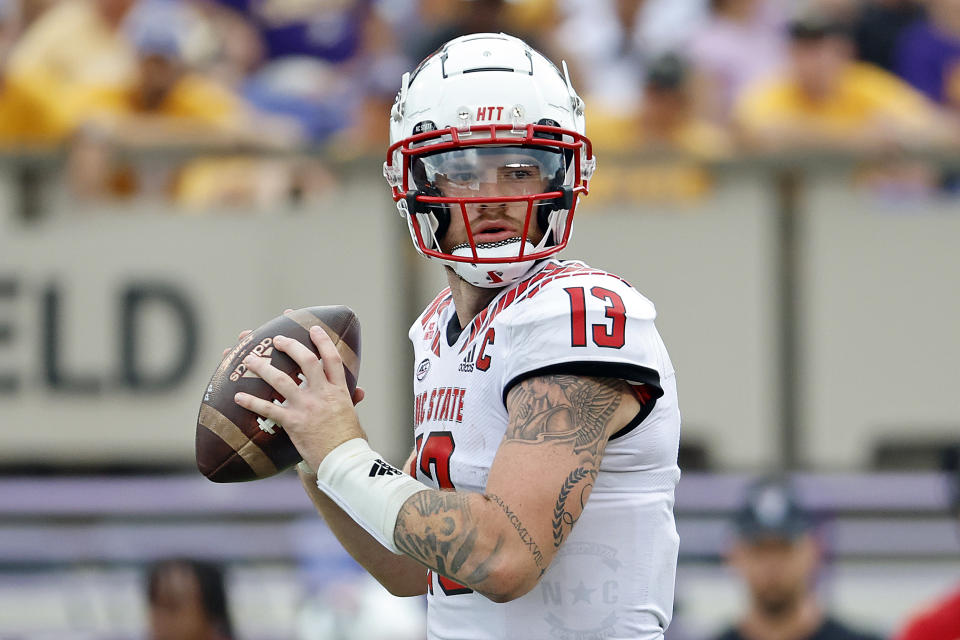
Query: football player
(538, 500)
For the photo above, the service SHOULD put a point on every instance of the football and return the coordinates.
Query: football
(234, 444)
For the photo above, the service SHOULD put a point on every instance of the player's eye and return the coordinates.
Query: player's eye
(462, 177)
(519, 173)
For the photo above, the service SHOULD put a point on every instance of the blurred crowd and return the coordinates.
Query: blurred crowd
(260, 86)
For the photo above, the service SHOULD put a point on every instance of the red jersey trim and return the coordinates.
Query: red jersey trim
(527, 289)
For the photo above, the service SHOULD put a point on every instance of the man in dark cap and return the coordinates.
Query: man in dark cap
(777, 555)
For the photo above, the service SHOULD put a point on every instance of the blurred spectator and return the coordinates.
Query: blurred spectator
(666, 119)
(928, 55)
(317, 62)
(461, 17)
(941, 621)
(397, 42)
(170, 104)
(187, 601)
(606, 44)
(169, 101)
(742, 42)
(878, 28)
(777, 556)
(68, 63)
(826, 100)
(665, 124)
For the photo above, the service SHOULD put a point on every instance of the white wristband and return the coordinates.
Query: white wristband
(368, 489)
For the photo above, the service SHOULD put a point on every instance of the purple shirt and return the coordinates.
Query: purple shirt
(329, 31)
(926, 57)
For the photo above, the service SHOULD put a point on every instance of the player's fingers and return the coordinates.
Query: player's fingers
(301, 354)
(329, 356)
(281, 382)
(261, 407)
(358, 395)
(286, 311)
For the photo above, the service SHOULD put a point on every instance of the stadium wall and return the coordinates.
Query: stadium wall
(111, 321)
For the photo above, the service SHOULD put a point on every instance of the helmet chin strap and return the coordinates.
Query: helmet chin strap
(497, 274)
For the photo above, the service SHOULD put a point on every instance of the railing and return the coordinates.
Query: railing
(74, 548)
(51, 521)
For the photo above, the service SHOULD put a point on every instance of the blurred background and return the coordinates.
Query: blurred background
(780, 177)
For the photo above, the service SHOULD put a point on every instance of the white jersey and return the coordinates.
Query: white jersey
(613, 577)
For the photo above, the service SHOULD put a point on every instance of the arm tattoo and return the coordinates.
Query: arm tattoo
(566, 409)
(522, 531)
(437, 529)
(563, 408)
(563, 520)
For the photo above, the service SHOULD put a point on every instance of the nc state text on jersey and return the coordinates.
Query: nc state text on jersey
(439, 404)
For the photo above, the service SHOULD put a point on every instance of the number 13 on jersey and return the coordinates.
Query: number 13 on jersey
(610, 334)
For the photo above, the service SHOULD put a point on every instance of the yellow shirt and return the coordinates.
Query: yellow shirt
(618, 134)
(69, 65)
(668, 181)
(865, 96)
(199, 98)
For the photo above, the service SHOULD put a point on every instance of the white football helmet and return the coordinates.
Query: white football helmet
(487, 120)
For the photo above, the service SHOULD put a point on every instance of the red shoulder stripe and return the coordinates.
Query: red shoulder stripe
(485, 319)
(434, 306)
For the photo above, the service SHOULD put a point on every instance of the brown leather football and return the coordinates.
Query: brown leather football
(236, 445)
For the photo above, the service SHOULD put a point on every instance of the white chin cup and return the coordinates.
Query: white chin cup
(493, 274)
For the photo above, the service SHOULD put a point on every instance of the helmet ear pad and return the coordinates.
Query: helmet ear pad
(441, 212)
(561, 203)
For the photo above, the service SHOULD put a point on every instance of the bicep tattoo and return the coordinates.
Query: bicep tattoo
(578, 484)
(564, 408)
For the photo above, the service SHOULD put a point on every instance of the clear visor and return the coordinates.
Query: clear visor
(489, 171)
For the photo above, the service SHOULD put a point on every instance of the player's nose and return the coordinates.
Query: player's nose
(488, 209)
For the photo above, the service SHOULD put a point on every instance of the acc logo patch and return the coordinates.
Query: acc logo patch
(423, 369)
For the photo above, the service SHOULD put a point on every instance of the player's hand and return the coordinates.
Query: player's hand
(318, 416)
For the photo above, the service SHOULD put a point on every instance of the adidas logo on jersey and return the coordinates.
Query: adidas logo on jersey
(466, 366)
(381, 468)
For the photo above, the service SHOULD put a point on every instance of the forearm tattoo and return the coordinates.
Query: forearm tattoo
(525, 537)
(437, 529)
